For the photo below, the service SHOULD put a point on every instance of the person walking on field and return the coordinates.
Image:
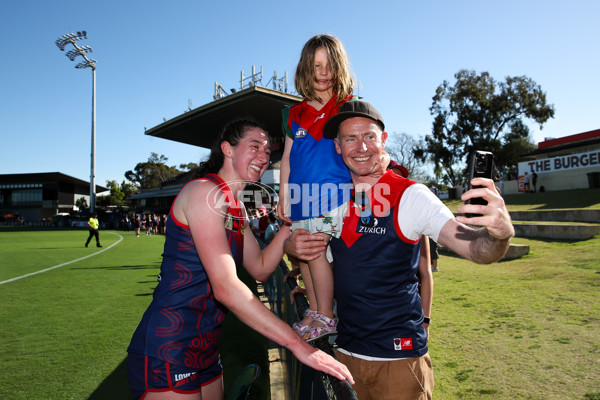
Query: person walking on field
(94, 225)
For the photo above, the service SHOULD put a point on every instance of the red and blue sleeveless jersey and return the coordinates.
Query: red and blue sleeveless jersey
(317, 172)
(375, 273)
(182, 325)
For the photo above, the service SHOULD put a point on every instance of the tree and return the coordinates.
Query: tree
(81, 204)
(478, 113)
(129, 189)
(401, 147)
(152, 173)
(116, 196)
(188, 166)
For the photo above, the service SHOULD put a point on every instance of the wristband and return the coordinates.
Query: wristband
(427, 320)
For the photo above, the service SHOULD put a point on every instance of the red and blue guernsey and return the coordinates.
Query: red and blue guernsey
(375, 274)
(317, 172)
(183, 323)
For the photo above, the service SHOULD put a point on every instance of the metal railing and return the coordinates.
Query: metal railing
(305, 382)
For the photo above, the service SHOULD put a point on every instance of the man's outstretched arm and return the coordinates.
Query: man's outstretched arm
(489, 241)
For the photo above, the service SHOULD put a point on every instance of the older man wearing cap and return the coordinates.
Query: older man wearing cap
(381, 333)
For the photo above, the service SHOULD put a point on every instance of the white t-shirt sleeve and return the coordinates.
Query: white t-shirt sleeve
(420, 212)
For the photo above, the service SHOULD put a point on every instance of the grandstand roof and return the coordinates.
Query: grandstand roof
(200, 126)
(44, 177)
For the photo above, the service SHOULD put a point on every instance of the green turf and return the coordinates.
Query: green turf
(563, 199)
(524, 329)
(64, 332)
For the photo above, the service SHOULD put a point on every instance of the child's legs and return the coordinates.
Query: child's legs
(310, 291)
(319, 271)
(322, 282)
(308, 285)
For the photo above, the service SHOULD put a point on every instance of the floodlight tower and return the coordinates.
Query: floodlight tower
(61, 43)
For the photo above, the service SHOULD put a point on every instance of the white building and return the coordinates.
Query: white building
(570, 162)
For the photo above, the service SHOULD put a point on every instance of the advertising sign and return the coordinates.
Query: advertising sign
(561, 163)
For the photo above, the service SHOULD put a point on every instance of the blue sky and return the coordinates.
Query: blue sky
(153, 57)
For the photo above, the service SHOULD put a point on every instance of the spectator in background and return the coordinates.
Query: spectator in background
(137, 225)
(272, 228)
(125, 222)
(162, 224)
(254, 216)
(434, 255)
(496, 174)
(433, 190)
(526, 183)
(512, 173)
(263, 221)
(154, 224)
(148, 224)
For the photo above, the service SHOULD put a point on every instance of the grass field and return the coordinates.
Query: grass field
(524, 329)
(565, 199)
(65, 332)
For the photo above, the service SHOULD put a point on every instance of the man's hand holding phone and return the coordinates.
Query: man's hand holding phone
(493, 216)
(480, 166)
(483, 204)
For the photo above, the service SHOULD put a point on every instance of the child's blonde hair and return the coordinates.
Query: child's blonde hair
(338, 62)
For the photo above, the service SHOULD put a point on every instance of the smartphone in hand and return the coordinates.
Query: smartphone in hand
(480, 166)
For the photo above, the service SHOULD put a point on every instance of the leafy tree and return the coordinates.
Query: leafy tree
(81, 204)
(128, 189)
(478, 113)
(401, 147)
(151, 173)
(118, 194)
(188, 166)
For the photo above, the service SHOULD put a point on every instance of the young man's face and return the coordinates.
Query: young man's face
(361, 143)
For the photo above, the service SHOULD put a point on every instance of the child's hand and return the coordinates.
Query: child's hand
(297, 289)
(292, 274)
(281, 208)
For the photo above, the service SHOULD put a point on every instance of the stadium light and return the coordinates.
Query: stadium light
(61, 43)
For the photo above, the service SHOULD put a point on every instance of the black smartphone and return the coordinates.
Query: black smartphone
(480, 166)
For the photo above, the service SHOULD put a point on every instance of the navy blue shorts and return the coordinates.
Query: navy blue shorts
(149, 374)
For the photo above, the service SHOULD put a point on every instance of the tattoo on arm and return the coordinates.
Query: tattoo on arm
(482, 248)
(486, 249)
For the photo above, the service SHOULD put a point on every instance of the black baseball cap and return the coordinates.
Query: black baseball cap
(351, 109)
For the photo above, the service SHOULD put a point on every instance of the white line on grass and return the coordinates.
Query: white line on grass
(68, 262)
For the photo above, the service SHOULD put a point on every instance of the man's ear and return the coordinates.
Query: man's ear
(226, 149)
(384, 136)
(337, 146)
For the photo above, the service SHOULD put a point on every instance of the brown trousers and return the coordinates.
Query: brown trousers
(407, 379)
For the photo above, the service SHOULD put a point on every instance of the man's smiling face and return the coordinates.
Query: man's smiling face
(361, 143)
